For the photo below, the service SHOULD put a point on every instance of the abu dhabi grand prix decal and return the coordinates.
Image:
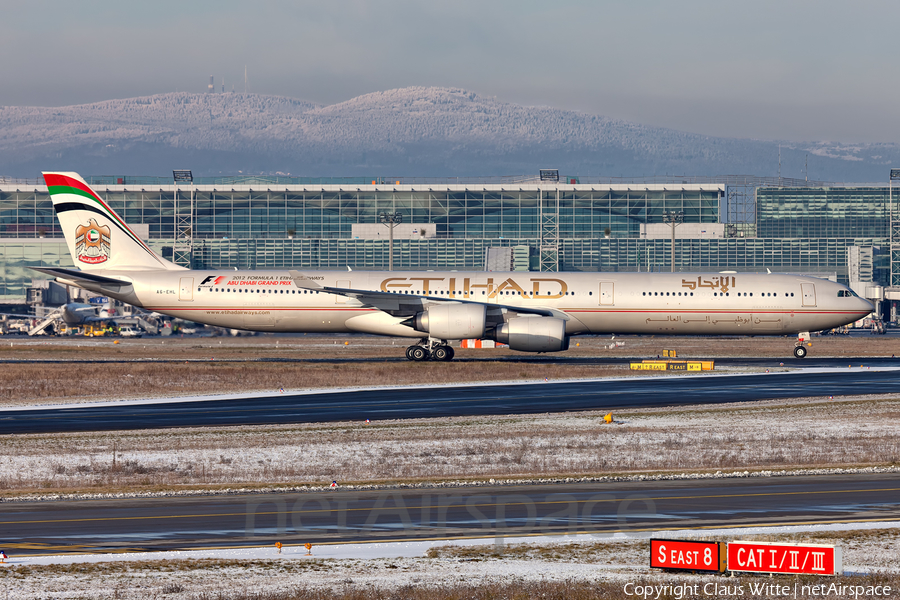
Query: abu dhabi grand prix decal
(210, 278)
(211, 281)
(92, 243)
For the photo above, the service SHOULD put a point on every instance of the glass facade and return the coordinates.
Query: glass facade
(16, 255)
(593, 227)
(838, 216)
(860, 212)
(614, 254)
(27, 213)
(318, 214)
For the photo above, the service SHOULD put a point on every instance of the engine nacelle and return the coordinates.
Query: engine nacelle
(452, 321)
(534, 334)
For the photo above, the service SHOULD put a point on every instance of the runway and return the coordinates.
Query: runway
(493, 512)
(874, 377)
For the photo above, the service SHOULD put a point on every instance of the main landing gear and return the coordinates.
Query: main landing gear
(800, 350)
(430, 350)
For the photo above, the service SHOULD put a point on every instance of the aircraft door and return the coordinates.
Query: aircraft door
(186, 289)
(606, 293)
(343, 283)
(808, 290)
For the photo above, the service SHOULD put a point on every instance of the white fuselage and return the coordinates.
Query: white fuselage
(639, 303)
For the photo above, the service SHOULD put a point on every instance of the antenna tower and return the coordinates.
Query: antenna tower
(779, 164)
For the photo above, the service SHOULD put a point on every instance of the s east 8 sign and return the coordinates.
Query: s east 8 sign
(762, 557)
(684, 555)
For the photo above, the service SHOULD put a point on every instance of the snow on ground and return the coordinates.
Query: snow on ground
(392, 565)
(787, 434)
(721, 440)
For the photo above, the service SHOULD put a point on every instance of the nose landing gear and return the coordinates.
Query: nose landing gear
(800, 350)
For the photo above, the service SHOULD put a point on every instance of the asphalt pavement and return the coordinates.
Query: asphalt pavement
(601, 509)
(849, 377)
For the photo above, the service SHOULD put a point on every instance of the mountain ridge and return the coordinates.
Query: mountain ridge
(415, 131)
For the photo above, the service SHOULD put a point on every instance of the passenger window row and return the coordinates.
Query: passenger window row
(841, 293)
(257, 290)
(719, 294)
(436, 292)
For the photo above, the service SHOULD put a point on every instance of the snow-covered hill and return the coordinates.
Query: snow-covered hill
(411, 131)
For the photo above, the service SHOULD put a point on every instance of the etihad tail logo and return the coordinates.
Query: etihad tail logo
(92, 243)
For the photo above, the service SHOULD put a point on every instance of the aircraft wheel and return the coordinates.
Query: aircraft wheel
(419, 353)
(800, 352)
(450, 351)
(409, 353)
(442, 353)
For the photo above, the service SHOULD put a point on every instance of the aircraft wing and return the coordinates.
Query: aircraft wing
(82, 277)
(408, 305)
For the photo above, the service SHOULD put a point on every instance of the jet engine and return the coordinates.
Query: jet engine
(451, 321)
(534, 334)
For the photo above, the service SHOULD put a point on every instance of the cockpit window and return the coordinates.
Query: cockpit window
(847, 294)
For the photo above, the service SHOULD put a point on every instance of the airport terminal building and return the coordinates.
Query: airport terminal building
(546, 223)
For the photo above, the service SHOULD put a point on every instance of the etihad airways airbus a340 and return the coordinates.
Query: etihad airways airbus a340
(531, 312)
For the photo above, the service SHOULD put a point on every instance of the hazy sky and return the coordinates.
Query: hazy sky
(791, 70)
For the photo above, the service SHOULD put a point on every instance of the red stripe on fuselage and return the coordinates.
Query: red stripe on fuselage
(160, 309)
(720, 312)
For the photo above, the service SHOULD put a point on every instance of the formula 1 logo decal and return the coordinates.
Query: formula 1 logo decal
(92, 243)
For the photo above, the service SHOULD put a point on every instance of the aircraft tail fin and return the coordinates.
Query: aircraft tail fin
(98, 238)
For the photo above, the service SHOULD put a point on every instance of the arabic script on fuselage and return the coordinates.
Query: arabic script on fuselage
(723, 283)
